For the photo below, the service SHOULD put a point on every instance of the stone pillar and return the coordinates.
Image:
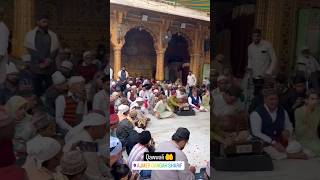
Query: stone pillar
(117, 61)
(23, 22)
(160, 65)
(195, 66)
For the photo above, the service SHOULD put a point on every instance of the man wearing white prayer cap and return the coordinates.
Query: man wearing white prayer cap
(123, 111)
(223, 84)
(71, 107)
(59, 87)
(83, 137)
(44, 156)
(132, 94)
(66, 68)
(115, 150)
(124, 126)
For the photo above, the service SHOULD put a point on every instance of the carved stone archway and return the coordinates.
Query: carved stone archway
(137, 62)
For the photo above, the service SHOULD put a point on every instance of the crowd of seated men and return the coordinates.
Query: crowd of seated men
(282, 118)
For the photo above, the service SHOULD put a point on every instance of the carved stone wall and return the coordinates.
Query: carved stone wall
(80, 24)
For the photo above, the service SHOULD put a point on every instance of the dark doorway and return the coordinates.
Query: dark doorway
(138, 53)
(176, 59)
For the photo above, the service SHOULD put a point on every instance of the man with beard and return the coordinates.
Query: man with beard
(262, 60)
(179, 140)
(71, 107)
(10, 87)
(43, 45)
(58, 88)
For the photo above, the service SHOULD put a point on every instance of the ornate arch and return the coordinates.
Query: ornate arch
(143, 27)
(186, 36)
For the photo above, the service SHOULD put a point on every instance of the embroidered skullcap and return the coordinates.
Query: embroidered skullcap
(72, 163)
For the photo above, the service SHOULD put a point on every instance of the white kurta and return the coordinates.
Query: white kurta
(100, 101)
(185, 174)
(191, 80)
(261, 58)
(4, 39)
(29, 41)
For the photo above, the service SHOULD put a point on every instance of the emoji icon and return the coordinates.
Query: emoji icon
(169, 157)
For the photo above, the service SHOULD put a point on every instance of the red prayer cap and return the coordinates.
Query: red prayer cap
(114, 119)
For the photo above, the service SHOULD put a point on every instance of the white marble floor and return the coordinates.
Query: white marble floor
(198, 148)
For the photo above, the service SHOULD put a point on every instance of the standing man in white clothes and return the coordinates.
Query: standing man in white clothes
(4, 39)
(191, 81)
(262, 60)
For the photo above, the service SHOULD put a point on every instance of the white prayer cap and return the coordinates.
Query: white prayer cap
(43, 149)
(134, 87)
(294, 147)
(115, 146)
(170, 85)
(113, 83)
(155, 91)
(139, 99)
(221, 78)
(86, 53)
(58, 78)
(26, 58)
(123, 108)
(11, 68)
(67, 64)
(75, 79)
(128, 86)
(91, 119)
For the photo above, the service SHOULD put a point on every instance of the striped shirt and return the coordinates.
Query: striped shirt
(136, 154)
